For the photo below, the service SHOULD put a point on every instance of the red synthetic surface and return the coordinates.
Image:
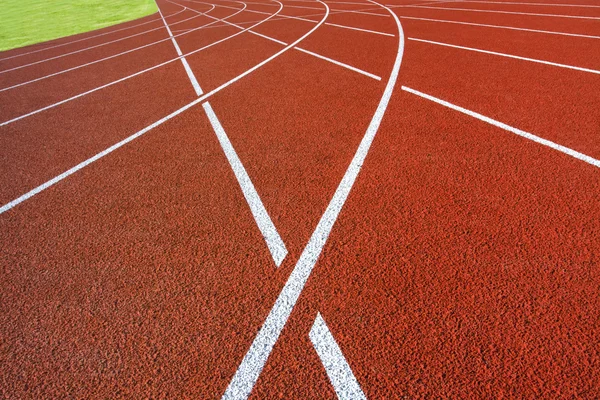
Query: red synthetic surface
(465, 262)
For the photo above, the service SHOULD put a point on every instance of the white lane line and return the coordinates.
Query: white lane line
(526, 135)
(593, 71)
(503, 27)
(264, 222)
(202, 98)
(360, 29)
(308, 8)
(255, 359)
(341, 64)
(529, 4)
(90, 160)
(359, 12)
(91, 47)
(340, 375)
(186, 66)
(87, 38)
(48, 107)
(506, 12)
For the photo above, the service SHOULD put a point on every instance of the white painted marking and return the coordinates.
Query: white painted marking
(186, 66)
(264, 222)
(340, 375)
(255, 359)
(87, 38)
(91, 47)
(526, 135)
(503, 27)
(341, 64)
(308, 8)
(360, 29)
(507, 12)
(360, 12)
(90, 160)
(593, 71)
(530, 4)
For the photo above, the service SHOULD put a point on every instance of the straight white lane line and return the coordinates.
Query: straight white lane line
(529, 4)
(359, 12)
(255, 359)
(186, 66)
(87, 38)
(341, 64)
(264, 222)
(90, 160)
(506, 12)
(502, 27)
(360, 29)
(593, 71)
(526, 135)
(340, 375)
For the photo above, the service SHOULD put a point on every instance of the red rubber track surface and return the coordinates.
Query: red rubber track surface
(465, 262)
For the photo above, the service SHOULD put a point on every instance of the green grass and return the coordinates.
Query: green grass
(25, 22)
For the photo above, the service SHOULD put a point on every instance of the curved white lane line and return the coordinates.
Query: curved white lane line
(89, 37)
(255, 359)
(136, 135)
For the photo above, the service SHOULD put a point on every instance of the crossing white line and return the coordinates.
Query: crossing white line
(340, 375)
(255, 359)
(535, 60)
(516, 131)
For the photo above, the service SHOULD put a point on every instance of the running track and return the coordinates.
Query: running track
(305, 199)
